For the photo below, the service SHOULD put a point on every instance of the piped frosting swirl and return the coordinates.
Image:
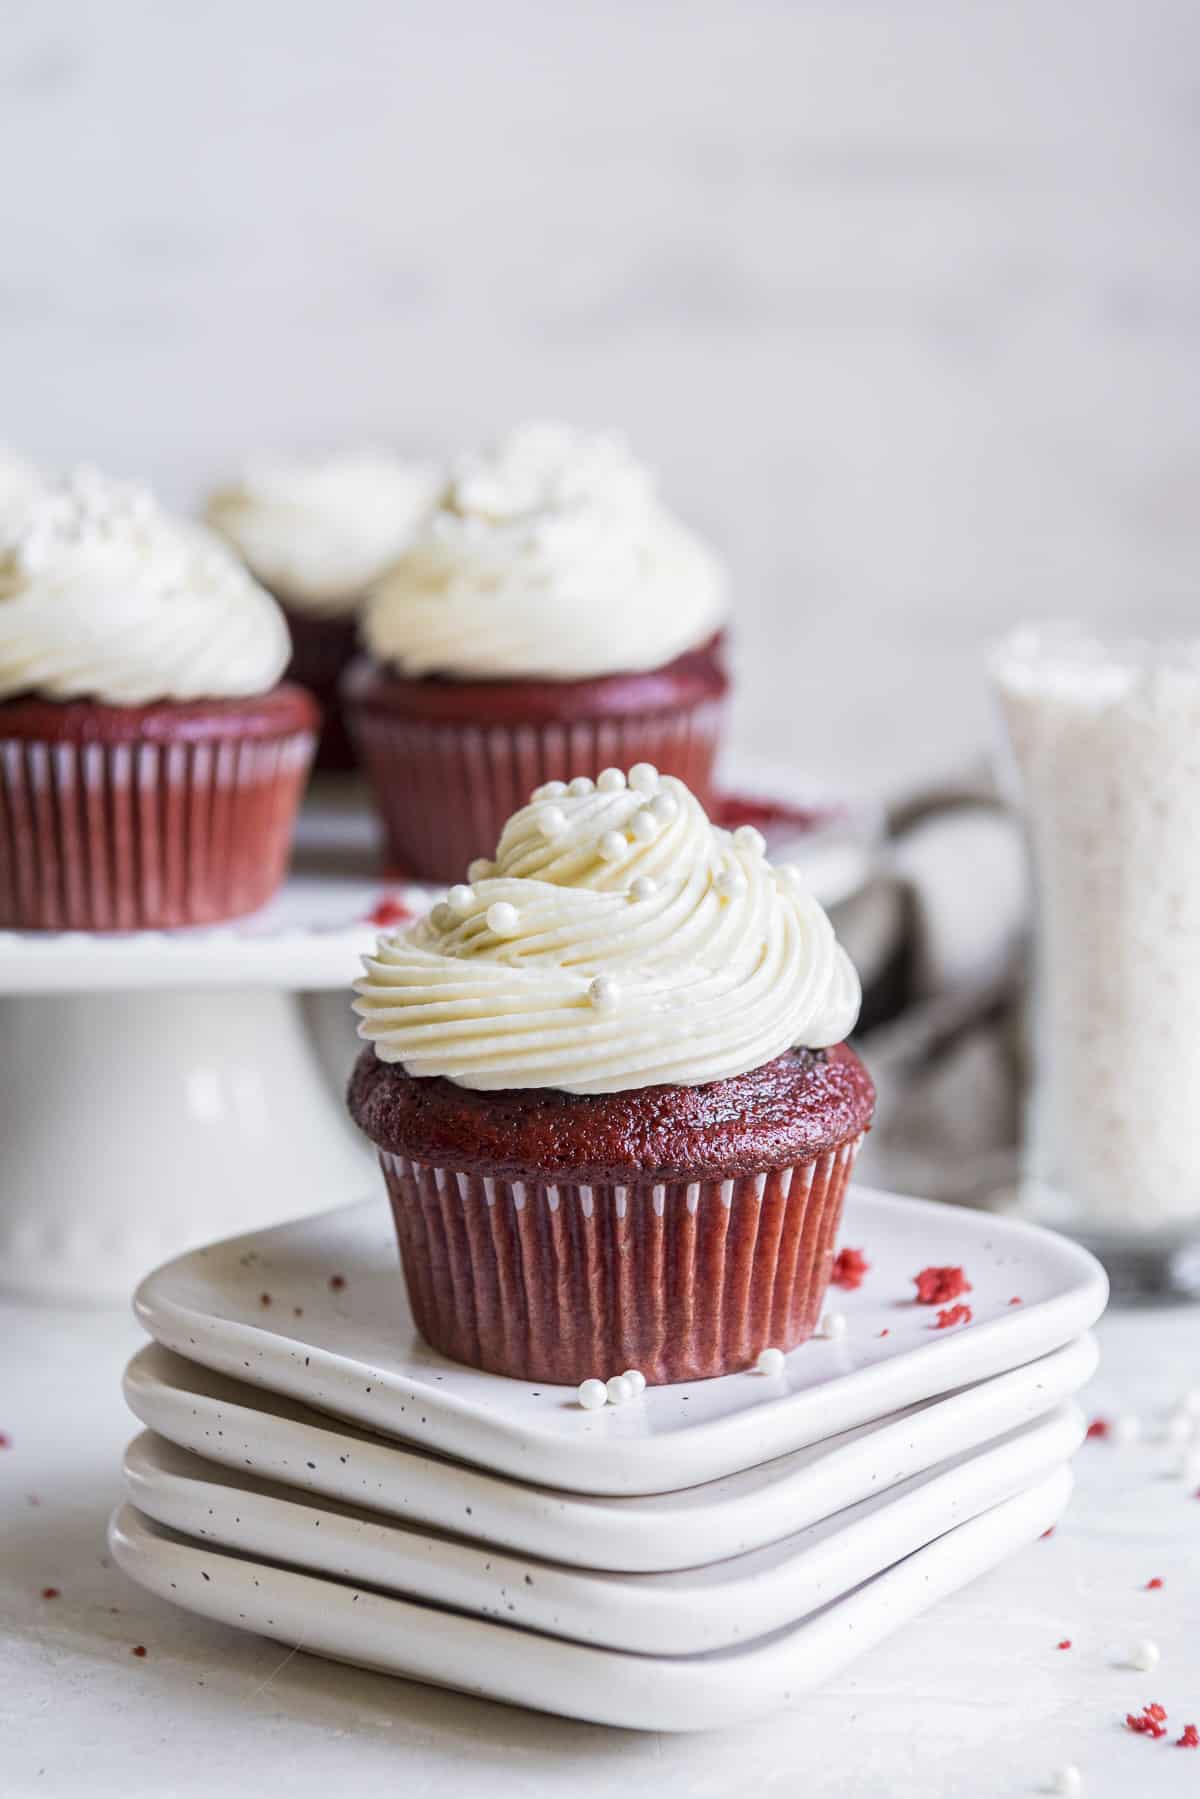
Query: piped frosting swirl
(551, 558)
(104, 596)
(618, 940)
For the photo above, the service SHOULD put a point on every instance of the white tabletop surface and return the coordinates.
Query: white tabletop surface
(974, 1700)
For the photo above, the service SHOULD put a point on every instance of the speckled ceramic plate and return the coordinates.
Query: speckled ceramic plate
(317, 1310)
(264, 1436)
(355, 1623)
(683, 1613)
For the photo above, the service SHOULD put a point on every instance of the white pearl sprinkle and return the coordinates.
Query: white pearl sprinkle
(643, 777)
(1144, 1656)
(637, 1381)
(604, 993)
(552, 821)
(480, 869)
(1125, 1428)
(770, 1361)
(549, 790)
(580, 786)
(613, 846)
(833, 1326)
(1067, 1781)
(592, 1394)
(610, 780)
(643, 887)
(728, 882)
(503, 919)
(443, 917)
(619, 1389)
(644, 825)
(665, 808)
(752, 841)
(460, 899)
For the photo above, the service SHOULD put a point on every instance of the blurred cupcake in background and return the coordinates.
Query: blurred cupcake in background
(151, 765)
(316, 532)
(548, 619)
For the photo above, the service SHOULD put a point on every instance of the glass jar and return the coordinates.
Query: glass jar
(1104, 749)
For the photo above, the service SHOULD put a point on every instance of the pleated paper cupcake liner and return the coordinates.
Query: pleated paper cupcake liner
(142, 836)
(683, 1280)
(446, 790)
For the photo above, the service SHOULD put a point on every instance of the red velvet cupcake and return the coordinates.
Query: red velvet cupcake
(607, 1085)
(150, 767)
(316, 533)
(549, 619)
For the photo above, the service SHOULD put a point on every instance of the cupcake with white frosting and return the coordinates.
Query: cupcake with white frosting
(316, 532)
(548, 618)
(151, 764)
(607, 1082)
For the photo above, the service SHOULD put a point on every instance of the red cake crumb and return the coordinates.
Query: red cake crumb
(935, 1286)
(138, 1649)
(1047, 1533)
(951, 1316)
(850, 1267)
(1016, 1300)
(1152, 1586)
(1099, 1427)
(1190, 1738)
(885, 1332)
(1157, 1712)
(1065, 1644)
(50, 1593)
(389, 911)
(337, 1282)
(264, 1299)
(5, 1441)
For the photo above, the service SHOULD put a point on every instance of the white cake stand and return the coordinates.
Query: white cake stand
(159, 1090)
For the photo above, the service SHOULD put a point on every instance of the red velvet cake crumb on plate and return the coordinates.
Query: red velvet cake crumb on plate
(937, 1286)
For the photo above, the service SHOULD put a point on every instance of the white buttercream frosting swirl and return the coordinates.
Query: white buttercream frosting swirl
(618, 940)
(318, 531)
(104, 596)
(548, 557)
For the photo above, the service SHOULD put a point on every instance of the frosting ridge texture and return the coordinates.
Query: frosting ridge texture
(618, 940)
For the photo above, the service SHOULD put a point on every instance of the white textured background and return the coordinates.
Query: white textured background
(901, 297)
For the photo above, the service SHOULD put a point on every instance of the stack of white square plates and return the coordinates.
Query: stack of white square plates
(695, 1557)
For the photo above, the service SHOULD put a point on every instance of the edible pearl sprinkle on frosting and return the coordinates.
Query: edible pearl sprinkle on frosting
(547, 557)
(318, 531)
(770, 1361)
(592, 1394)
(104, 596)
(833, 1326)
(550, 977)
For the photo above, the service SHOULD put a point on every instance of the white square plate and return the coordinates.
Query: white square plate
(274, 1439)
(682, 1613)
(336, 1333)
(358, 1624)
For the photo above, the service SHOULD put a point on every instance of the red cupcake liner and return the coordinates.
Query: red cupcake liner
(322, 649)
(560, 1282)
(99, 836)
(446, 790)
